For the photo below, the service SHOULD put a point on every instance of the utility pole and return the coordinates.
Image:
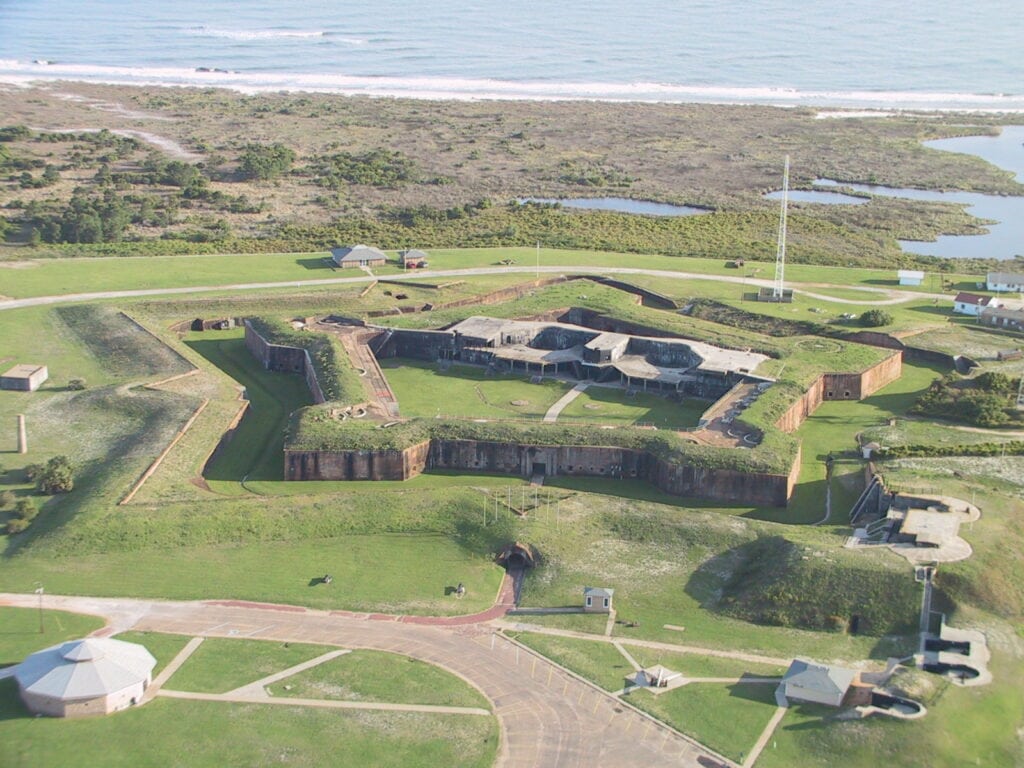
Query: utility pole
(538, 259)
(39, 591)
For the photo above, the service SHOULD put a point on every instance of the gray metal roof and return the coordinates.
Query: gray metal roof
(1008, 278)
(85, 669)
(412, 254)
(357, 253)
(817, 677)
(597, 592)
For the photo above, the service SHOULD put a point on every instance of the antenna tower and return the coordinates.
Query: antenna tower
(780, 253)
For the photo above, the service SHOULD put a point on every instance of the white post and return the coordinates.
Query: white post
(22, 434)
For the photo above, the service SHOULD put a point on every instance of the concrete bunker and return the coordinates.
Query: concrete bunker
(517, 556)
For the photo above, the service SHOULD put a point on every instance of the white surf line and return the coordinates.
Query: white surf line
(257, 686)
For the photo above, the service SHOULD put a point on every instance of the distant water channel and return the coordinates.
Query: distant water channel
(620, 204)
(1004, 240)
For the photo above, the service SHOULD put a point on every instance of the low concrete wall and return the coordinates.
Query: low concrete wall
(841, 386)
(727, 485)
(275, 357)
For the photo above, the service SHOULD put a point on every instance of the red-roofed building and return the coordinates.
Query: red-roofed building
(972, 304)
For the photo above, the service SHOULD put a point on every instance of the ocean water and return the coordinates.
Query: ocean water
(943, 54)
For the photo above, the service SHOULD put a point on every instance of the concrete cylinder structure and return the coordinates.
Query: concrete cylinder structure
(22, 434)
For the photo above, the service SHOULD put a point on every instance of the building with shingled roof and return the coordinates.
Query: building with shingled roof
(597, 599)
(358, 256)
(817, 683)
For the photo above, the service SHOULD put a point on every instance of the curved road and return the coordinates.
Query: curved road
(547, 717)
(893, 296)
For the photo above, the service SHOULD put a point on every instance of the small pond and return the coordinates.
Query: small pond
(1004, 240)
(620, 204)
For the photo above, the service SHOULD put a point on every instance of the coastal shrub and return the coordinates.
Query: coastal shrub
(25, 510)
(985, 401)
(16, 525)
(376, 168)
(930, 450)
(7, 499)
(265, 161)
(57, 476)
(875, 318)
(76, 385)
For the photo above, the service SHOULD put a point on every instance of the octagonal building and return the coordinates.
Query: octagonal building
(95, 676)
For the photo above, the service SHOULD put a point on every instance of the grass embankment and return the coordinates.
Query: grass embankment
(255, 451)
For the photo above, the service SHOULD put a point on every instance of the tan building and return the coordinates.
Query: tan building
(358, 256)
(597, 599)
(95, 676)
(26, 377)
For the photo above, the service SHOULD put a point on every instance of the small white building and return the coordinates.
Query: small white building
(95, 676)
(972, 304)
(1005, 282)
(817, 683)
(910, 276)
(597, 599)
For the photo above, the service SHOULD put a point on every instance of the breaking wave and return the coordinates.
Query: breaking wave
(466, 88)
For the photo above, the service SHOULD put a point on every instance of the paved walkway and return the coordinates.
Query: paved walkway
(255, 698)
(555, 410)
(257, 687)
(170, 669)
(753, 658)
(548, 717)
(766, 734)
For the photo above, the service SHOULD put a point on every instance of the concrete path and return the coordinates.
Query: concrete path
(568, 397)
(257, 687)
(753, 658)
(627, 656)
(548, 717)
(892, 296)
(766, 734)
(251, 698)
(170, 669)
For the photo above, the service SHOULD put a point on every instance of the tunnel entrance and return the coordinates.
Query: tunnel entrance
(517, 556)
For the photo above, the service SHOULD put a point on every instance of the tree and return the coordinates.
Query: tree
(875, 318)
(265, 161)
(26, 510)
(993, 381)
(57, 476)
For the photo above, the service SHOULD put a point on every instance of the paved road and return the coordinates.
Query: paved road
(892, 296)
(547, 718)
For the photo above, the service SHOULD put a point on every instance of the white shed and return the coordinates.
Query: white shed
(910, 276)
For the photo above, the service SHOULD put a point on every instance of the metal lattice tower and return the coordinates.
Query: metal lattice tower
(780, 251)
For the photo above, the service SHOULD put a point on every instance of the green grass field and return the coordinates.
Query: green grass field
(466, 391)
(363, 567)
(595, 660)
(20, 635)
(220, 664)
(610, 405)
(168, 733)
(726, 717)
(378, 676)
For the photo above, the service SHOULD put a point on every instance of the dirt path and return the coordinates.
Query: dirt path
(892, 296)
